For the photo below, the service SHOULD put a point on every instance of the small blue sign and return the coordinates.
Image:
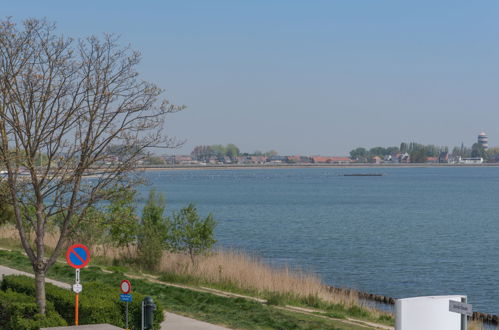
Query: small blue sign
(126, 297)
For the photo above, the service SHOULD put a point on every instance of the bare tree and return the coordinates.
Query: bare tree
(69, 108)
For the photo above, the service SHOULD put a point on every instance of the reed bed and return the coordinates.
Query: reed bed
(247, 272)
(227, 269)
(475, 325)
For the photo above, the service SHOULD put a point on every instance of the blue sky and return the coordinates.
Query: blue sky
(307, 77)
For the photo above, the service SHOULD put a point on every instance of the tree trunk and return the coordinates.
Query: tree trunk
(40, 290)
(191, 254)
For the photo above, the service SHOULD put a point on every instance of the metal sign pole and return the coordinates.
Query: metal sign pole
(76, 310)
(77, 281)
(77, 256)
(464, 317)
(126, 316)
(126, 297)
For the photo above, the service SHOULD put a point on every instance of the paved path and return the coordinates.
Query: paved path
(172, 321)
(175, 321)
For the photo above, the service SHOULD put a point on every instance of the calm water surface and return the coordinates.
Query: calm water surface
(411, 232)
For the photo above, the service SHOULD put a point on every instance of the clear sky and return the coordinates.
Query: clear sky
(307, 77)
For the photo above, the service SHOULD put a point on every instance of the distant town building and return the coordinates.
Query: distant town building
(483, 140)
(184, 160)
(251, 159)
(472, 160)
(443, 157)
(276, 159)
(294, 159)
(330, 160)
(405, 158)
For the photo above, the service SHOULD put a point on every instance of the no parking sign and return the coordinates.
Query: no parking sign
(77, 256)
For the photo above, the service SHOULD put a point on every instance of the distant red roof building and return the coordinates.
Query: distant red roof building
(183, 158)
(294, 159)
(340, 160)
(259, 159)
(330, 160)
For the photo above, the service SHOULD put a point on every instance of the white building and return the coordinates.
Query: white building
(483, 139)
(472, 160)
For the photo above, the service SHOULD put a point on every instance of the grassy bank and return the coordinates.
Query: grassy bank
(241, 273)
(236, 272)
(232, 312)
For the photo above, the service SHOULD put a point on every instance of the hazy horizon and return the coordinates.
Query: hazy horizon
(321, 77)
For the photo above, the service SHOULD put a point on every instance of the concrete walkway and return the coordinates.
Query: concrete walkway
(86, 327)
(175, 321)
(172, 321)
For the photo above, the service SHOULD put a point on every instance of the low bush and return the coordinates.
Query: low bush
(97, 303)
(276, 299)
(19, 311)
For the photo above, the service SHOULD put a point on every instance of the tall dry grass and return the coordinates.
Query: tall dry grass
(250, 273)
(10, 235)
(234, 268)
(475, 325)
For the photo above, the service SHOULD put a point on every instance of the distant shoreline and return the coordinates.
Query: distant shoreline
(288, 166)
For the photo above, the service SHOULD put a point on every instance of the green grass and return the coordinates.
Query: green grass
(232, 312)
(331, 310)
(338, 311)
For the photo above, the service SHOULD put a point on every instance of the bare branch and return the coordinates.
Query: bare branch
(65, 107)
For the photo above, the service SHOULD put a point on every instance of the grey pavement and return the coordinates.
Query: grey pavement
(175, 321)
(172, 321)
(86, 327)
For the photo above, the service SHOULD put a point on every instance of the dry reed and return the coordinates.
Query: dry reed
(238, 269)
(251, 273)
(475, 325)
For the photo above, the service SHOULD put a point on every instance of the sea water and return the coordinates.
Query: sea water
(410, 232)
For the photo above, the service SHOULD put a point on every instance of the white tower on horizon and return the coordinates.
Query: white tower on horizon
(483, 139)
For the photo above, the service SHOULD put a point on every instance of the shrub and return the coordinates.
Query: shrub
(19, 311)
(190, 233)
(95, 305)
(276, 299)
(98, 303)
(153, 232)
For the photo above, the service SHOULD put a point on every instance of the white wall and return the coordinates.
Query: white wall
(428, 313)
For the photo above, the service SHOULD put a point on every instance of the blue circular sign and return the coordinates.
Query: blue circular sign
(78, 256)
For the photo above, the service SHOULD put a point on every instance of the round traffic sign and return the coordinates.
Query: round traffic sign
(126, 286)
(78, 256)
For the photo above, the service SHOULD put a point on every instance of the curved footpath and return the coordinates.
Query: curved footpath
(175, 321)
(172, 321)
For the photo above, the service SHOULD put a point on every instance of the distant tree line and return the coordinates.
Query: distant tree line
(418, 153)
(206, 152)
(476, 150)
